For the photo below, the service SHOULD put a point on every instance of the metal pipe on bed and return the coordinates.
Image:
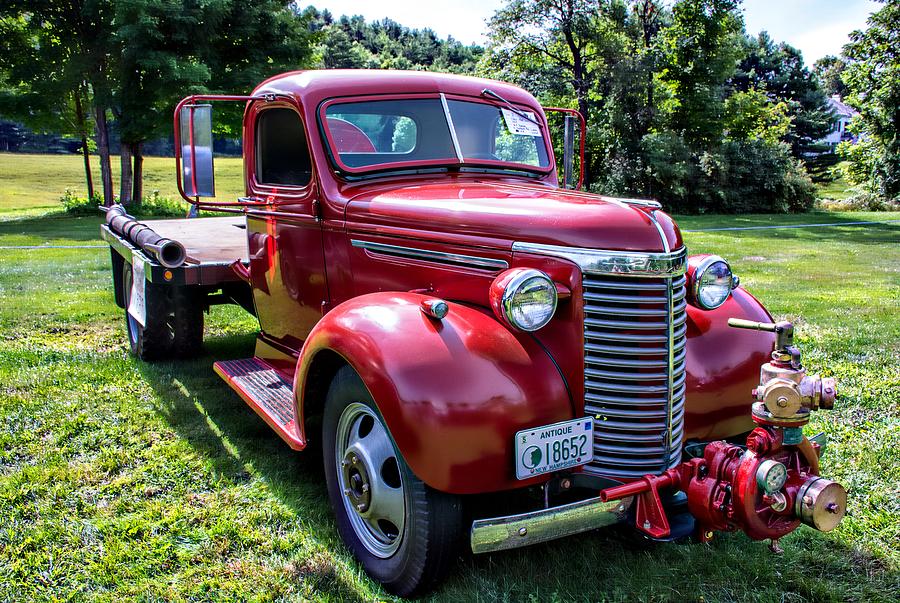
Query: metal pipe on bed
(168, 253)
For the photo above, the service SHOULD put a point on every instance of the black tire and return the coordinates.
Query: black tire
(427, 543)
(153, 341)
(187, 321)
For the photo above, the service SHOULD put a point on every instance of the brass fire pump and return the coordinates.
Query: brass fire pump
(770, 485)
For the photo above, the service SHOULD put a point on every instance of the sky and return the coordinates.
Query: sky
(816, 27)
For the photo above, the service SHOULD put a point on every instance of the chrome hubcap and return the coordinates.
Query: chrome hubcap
(369, 477)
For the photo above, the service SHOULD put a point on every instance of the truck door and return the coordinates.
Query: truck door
(287, 264)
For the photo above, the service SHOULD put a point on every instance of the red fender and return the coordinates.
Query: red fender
(723, 367)
(452, 392)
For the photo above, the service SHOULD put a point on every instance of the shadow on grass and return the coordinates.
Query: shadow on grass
(58, 226)
(862, 234)
(614, 564)
(197, 404)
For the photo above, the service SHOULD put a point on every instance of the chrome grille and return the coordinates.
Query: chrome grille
(634, 372)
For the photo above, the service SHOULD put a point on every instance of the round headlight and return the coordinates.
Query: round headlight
(524, 298)
(713, 282)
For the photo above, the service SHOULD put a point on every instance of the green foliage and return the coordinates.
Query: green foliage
(80, 206)
(700, 49)
(872, 76)
(829, 70)
(751, 115)
(681, 105)
(738, 177)
(779, 71)
(152, 205)
(859, 200)
(352, 43)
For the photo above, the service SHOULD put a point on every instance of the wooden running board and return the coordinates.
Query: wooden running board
(267, 392)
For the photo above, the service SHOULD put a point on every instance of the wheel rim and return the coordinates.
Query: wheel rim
(128, 285)
(371, 487)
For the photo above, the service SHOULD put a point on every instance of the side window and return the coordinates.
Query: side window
(282, 156)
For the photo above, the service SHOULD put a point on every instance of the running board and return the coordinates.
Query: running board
(267, 392)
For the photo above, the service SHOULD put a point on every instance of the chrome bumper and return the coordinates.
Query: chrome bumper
(513, 531)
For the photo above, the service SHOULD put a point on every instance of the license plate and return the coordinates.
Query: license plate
(137, 306)
(553, 447)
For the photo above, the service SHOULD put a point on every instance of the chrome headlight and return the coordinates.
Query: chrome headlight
(712, 282)
(524, 298)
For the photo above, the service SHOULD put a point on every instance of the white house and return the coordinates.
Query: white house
(843, 114)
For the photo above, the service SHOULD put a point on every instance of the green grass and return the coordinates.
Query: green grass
(121, 480)
(33, 184)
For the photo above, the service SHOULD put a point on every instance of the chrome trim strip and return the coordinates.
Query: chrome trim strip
(513, 531)
(670, 330)
(441, 257)
(622, 263)
(453, 137)
(662, 235)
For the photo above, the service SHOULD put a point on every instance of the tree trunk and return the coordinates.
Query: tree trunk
(125, 180)
(85, 151)
(138, 187)
(103, 149)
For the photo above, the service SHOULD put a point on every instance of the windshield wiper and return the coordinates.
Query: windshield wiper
(510, 106)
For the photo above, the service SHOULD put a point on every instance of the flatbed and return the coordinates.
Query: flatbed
(212, 245)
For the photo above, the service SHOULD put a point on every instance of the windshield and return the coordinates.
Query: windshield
(405, 133)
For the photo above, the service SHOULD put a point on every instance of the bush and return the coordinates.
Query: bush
(733, 177)
(153, 205)
(860, 200)
(80, 206)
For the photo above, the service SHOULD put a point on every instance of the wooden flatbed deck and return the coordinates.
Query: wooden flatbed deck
(212, 245)
(207, 240)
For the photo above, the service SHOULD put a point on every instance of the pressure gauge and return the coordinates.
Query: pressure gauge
(771, 476)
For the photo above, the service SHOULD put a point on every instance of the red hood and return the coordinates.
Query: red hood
(515, 212)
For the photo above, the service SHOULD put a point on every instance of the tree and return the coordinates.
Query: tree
(700, 50)
(829, 70)
(40, 80)
(556, 33)
(872, 76)
(779, 71)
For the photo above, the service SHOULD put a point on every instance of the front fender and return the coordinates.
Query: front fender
(723, 367)
(452, 392)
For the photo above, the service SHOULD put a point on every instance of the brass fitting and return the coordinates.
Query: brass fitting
(786, 394)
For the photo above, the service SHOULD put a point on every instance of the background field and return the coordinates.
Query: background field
(33, 184)
(121, 480)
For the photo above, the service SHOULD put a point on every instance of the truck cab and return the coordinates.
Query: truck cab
(446, 319)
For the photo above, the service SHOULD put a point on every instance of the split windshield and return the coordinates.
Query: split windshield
(405, 133)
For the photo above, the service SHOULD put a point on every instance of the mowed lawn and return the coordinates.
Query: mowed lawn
(121, 480)
(33, 184)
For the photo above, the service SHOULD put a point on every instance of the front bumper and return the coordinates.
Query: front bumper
(513, 531)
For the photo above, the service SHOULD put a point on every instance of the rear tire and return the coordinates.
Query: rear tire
(153, 340)
(404, 533)
(187, 321)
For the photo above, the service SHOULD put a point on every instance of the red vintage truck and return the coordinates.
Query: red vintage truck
(446, 319)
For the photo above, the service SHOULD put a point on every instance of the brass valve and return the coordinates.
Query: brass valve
(786, 394)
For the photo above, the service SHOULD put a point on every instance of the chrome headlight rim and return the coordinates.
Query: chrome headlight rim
(697, 280)
(512, 287)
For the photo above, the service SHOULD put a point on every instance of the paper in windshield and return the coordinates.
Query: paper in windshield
(517, 124)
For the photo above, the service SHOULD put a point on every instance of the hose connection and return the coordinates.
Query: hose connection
(767, 487)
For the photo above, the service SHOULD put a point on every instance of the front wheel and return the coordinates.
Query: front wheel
(404, 533)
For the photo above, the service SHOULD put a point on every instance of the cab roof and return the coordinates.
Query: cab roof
(314, 86)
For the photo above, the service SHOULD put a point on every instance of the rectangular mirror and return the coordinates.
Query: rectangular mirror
(195, 132)
(568, 151)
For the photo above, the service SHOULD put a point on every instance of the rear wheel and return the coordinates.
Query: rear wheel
(404, 533)
(153, 339)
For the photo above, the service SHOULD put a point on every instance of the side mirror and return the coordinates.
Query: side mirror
(195, 139)
(568, 151)
(573, 120)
